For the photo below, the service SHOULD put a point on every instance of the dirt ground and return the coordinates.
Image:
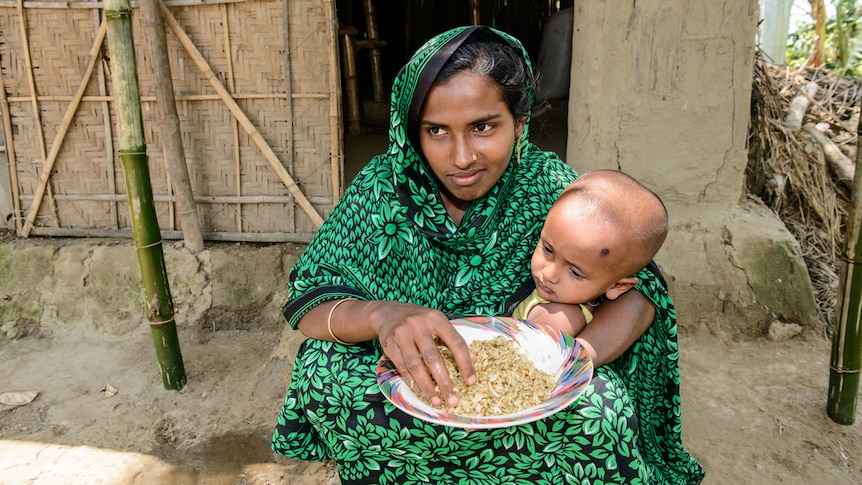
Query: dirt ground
(753, 411)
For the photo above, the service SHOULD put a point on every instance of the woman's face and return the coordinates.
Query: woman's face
(467, 133)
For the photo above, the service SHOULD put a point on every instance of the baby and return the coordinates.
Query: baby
(602, 230)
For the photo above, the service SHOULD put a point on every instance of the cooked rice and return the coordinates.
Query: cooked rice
(507, 381)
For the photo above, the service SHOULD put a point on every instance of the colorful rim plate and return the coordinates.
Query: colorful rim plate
(549, 349)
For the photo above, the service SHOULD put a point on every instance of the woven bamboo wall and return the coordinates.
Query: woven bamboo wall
(250, 46)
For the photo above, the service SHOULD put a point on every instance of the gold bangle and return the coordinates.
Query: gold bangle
(329, 321)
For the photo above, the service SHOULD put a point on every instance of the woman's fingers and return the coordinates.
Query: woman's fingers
(418, 362)
(448, 336)
(412, 373)
(412, 343)
(440, 379)
(402, 347)
(429, 351)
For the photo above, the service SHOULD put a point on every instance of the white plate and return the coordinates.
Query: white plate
(549, 349)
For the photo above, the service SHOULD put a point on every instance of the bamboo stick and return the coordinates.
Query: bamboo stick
(373, 36)
(846, 357)
(475, 18)
(145, 226)
(351, 80)
(31, 80)
(100, 5)
(166, 107)
(37, 117)
(247, 125)
(842, 168)
(109, 138)
(201, 199)
(262, 237)
(187, 97)
(237, 155)
(288, 104)
(336, 160)
(10, 155)
(799, 105)
(61, 132)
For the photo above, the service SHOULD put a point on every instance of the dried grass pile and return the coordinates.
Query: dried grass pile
(802, 152)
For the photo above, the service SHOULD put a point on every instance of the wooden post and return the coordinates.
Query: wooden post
(374, 43)
(474, 12)
(351, 81)
(166, 109)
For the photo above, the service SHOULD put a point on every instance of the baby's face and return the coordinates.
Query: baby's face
(575, 259)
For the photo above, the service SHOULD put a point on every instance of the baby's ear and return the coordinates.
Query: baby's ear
(621, 286)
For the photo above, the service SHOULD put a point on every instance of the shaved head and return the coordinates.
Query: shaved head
(616, 201)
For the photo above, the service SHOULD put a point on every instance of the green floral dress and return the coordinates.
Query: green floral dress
(390, 238)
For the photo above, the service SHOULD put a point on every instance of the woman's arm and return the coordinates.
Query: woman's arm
(616, 325)
(409, 334)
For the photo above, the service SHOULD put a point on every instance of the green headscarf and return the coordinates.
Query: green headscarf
(390, 237)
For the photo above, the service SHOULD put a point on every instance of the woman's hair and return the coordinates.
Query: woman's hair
(486, 53)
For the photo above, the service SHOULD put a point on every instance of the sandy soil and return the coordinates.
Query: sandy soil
(753, 411)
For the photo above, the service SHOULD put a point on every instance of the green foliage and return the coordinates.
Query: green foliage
(843, 42)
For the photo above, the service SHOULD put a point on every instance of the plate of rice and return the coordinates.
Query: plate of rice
(526, 371)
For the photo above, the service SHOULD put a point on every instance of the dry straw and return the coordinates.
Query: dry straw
(798, 175)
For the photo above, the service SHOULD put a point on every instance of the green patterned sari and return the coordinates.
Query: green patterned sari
(390, 238)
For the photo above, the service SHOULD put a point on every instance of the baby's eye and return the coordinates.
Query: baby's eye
(547, 249)
(575, 274)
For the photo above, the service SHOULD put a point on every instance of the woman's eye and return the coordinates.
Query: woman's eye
(434, 130)
(481, 127)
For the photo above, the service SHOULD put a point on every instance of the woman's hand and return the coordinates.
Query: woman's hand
(410, 335)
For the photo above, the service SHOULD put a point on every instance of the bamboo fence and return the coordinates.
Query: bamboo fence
(258, 96)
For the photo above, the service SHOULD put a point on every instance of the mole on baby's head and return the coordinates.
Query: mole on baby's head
(605, 251)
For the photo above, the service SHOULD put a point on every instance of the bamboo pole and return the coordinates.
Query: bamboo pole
(166, 108)
(145, 226)
(336, 134)
(373, 35)
(288, 87)
(234, 108)
(474, 12)
(106, 122)
(843, 170)
(201, 199)
(37, 117)
(61, 132)
(10, 155)
(237, 153)
(256, 237)
(846, 358)
(799, 106)
(189, 97)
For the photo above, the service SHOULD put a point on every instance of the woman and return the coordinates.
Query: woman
(444, 224)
